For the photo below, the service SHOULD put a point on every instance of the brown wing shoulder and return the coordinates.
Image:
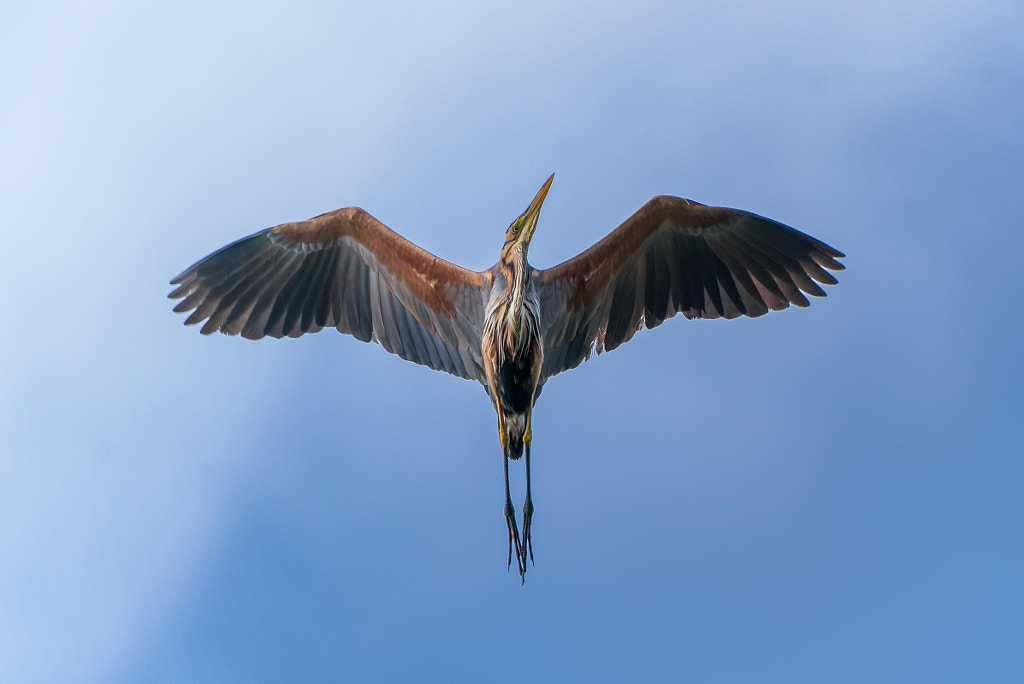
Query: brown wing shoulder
(590, 271)
(429, 278)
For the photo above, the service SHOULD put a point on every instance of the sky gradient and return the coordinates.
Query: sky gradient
(830, 494)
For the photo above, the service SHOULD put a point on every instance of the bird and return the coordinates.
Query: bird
(511, 327)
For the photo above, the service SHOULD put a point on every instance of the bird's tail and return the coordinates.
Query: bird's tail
(515, 444)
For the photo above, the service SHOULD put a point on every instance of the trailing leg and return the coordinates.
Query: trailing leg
(510, 511)
(527, 543)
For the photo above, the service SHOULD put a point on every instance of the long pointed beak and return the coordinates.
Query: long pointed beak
(532, 212)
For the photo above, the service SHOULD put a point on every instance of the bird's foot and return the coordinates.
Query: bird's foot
(527, 544)
(513, 540)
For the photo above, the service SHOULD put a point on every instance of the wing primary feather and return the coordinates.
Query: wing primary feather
(215, 276)
(764, 284)
(708, 298)
(435, 352)
(375, 315)
(799, 246)
(192, 300)
(267, 309)
(814, 269)
(315, 290)
(260, 300)
(241, 300)
(636, 320)
(307, 297)
(346, 310)
(785, 256)
(720, 290)
(362, 314)
(406, 332)
(657, 290)
(431, 348)
(183, 289)
(785, 239)
(725, 293)
(227, 260)
(749, 301)
(690, 284)
(773, 263)
(214, 302)
(326, 292)
(826, 261)
(387, 317)
(621, 311)
(292, 295)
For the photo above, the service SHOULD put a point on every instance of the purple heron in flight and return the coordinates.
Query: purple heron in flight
(512, 326)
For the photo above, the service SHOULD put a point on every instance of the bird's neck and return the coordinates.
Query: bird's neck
(512, 318)
(519, 278)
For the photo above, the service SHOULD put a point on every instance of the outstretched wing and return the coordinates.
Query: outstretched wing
(673, 256)
(347, 270)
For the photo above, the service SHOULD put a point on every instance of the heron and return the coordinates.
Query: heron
(511, 327)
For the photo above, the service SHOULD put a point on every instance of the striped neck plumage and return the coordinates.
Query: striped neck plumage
(514, 311)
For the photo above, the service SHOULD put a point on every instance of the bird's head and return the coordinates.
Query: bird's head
(521, 230)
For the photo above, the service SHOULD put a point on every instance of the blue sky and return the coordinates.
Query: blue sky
(830, 494)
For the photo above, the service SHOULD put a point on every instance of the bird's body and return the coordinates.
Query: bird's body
(513, 353)
(511, 327)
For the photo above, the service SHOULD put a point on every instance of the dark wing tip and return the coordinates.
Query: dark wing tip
(832, 252)
(826, 260)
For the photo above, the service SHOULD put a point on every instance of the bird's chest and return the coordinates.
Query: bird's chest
(514, 355)
(515, 375)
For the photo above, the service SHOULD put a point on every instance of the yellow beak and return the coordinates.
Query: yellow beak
(532, 212)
